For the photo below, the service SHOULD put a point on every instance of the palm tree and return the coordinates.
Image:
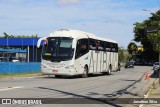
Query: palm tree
(132, 48)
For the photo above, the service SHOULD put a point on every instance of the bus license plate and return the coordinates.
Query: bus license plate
(55, 70)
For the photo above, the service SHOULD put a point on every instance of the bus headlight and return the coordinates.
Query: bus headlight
(42, 66)
(70, 67)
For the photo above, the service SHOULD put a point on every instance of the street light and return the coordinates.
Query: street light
(158, 31)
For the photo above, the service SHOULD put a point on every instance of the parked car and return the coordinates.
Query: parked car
(5, 59)
(155, 65)
(150, 63)
(15, 60)
(129, 64)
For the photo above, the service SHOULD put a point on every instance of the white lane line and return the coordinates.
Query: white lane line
(10, 88)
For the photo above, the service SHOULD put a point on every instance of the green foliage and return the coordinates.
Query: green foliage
(5, 35)
(132, 48)
(129, 57)
(24, 74)
(121, 56)
(149, 40)
(155, 39)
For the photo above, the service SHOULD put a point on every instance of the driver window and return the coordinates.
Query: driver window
(82, 47)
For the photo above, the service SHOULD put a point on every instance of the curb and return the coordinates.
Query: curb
(21, 77)
(146, 95)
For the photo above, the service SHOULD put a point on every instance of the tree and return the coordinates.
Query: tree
(150, 41)
(121, 56)
(129, 57)
(132, 48)
(6, 35)
(18, 36)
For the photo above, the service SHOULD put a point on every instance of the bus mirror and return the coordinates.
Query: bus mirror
(39, 42)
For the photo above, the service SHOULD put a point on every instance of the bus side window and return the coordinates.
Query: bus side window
(101, 45)
(82, 47)
(97, 44)
(113, 49)
(111, 45)
(116, 45)
(108, 47)
(92, 44)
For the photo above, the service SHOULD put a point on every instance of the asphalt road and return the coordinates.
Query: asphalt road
(122, 84)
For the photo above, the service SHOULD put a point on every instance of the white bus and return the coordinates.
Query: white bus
(73, 52)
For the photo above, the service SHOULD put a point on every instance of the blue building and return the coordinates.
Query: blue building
(27, 46)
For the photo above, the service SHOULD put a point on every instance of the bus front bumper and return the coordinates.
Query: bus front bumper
(56, 71)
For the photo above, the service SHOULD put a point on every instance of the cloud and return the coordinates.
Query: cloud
(66, 2)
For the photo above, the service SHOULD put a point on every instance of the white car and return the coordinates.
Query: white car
(155, 65)
(15, 60)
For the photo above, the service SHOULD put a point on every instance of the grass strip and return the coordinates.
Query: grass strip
(22, 74)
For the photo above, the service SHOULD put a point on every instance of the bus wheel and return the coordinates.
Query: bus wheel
(58, 76)
(85, 72)
(110, 70)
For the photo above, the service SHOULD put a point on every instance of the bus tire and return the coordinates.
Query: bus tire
(119, 69)
(104, 73)
(85, 72)
(110, 70)
(58, 76)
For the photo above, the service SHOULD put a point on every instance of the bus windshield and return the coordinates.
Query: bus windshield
(58, 49)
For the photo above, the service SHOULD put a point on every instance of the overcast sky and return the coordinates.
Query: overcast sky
(111, 19)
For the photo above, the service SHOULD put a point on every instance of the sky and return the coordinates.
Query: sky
(112, 19)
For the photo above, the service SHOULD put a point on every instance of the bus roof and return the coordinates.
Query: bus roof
(77, 34)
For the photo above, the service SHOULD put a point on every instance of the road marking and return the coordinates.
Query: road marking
(145, 96)
(10, 88)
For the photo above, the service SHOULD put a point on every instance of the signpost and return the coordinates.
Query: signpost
(151, 30)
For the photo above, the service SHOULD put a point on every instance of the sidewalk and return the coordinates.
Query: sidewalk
(155, 91)
(146, 85)
(150, 88)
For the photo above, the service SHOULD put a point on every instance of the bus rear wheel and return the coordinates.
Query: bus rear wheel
(85, 72)
(110, 70)
(58, 76)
